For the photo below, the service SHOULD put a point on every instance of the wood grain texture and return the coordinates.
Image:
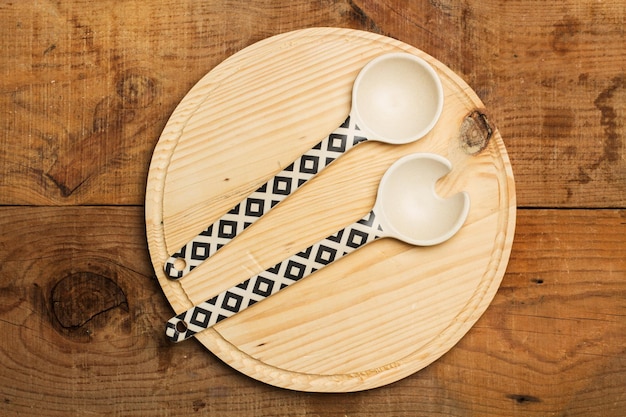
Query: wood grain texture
(85, 91)
(97, 82)
(551, 341)
(87, 88)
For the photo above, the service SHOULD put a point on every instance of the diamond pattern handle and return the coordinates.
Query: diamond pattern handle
(211, 239)
(274, 279)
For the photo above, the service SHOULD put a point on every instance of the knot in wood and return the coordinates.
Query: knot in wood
(475, 133)
(81, 296)
(136, 90)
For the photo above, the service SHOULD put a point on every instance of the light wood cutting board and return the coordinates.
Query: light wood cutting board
(375, 316)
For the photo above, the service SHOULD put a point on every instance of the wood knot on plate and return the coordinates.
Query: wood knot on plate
(475, 133)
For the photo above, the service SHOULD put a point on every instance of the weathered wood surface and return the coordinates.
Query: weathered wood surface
(87, 87)
(82, 323)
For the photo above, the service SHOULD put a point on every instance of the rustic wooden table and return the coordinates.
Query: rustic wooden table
(86, 89)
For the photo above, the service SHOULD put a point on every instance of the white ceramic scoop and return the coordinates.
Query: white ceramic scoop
(396, 98)
(407, 208)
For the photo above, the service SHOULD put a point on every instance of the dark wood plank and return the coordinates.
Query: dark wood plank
(87, 88)
(81, 319)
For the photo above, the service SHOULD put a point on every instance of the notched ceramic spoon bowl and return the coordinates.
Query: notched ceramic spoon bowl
(408, 207)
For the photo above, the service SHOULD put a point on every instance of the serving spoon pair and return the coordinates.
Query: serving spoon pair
(397, 98)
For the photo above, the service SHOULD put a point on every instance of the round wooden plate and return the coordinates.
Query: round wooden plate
(378, 314)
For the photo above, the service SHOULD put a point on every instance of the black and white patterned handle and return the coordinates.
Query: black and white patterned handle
(274, 279)
(211, 239)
